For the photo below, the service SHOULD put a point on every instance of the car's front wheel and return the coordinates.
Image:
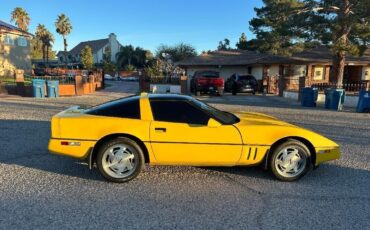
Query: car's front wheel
(290, 160)
(120, 160)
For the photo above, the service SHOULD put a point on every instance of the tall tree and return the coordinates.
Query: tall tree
(346, 24)
(45, 38)
(224, 45)
(87, 58)
(242, 44)
(21, 18)
(64, 28)
(176, 52)
(275, 27)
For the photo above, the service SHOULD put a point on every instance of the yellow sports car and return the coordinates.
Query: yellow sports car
(122, 135)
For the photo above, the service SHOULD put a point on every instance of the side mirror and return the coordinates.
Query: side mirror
(212, 123)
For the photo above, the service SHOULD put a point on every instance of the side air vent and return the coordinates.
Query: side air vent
(250, 153)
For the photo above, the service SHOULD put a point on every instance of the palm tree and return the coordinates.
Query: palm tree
(63, 27)
(47, 38)
(39, 34)
(21, 18)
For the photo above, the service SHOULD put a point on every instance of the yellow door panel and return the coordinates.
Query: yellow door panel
(179, 143)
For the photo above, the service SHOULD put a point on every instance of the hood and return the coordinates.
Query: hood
(251, 118)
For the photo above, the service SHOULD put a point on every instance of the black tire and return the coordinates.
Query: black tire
(220, 93)
(253, 92)
(303, 155)
(234, 92)
(134, 149)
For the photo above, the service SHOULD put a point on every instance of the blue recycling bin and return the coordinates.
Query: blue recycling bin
(334, 99)
(363, 104)
(38, 88)
(53, 88)
(309, 97)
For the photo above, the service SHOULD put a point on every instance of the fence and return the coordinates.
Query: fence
(63, 80)
(348, 87)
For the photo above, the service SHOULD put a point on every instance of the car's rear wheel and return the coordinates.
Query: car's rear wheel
(290, 160)
(220, 92)
(120, 160)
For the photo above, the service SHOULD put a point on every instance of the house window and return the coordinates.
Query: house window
(318, 73)
(22, 41)
(9, 40)
(366, 73)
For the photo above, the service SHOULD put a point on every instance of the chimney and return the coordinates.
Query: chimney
(112, 37)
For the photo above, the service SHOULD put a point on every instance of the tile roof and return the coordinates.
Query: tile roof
(94, 44)
(232, 57)
(319, 54)
(11, 27)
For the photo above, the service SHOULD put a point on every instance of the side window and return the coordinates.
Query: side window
(178, 112)
(22, 41)
(9, 40)
(125, 108)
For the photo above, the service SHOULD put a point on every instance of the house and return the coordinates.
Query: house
(313, 64)
(14, 50)
(108, 46)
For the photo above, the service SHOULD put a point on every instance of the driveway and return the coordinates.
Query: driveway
(43, 191)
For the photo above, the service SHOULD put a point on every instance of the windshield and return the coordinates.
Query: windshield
(209, 74)
(245, 78)
(225, 118)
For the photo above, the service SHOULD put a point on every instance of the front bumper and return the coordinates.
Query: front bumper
(324, 154)
(73, 148)
(209, 88)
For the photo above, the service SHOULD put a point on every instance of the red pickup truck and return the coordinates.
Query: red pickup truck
(207, 81)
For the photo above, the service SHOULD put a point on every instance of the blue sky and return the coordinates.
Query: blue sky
(145, 23)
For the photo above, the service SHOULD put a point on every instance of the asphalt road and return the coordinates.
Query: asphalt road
(43, 191)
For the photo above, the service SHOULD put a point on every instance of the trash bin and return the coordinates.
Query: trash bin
(53, 88)
(363, 104)
(309, 97)
(334, 99)
(38, 88)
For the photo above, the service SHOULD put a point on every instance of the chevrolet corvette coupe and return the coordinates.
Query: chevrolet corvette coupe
(120, 136)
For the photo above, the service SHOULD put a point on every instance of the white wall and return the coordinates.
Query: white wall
(225, 71)
(257, 72)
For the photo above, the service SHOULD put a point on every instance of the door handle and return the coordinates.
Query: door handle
(161, 130)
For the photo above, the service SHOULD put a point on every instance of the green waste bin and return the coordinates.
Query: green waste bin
(309, 97)
(334, 99)
(38, 88)
(363, 104)
(53, 88)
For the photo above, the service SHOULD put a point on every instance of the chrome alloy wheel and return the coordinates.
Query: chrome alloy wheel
(289, 162)
(119, 161)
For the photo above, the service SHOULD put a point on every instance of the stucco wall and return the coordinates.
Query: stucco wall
(257, 72)
(15, 56)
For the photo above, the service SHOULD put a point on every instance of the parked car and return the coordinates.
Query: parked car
(109, 77)
(207, 81)
(241, 84)
(120, 136)
(132, 78)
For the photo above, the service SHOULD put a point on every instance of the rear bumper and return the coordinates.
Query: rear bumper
(324, 154)
(76, 148)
